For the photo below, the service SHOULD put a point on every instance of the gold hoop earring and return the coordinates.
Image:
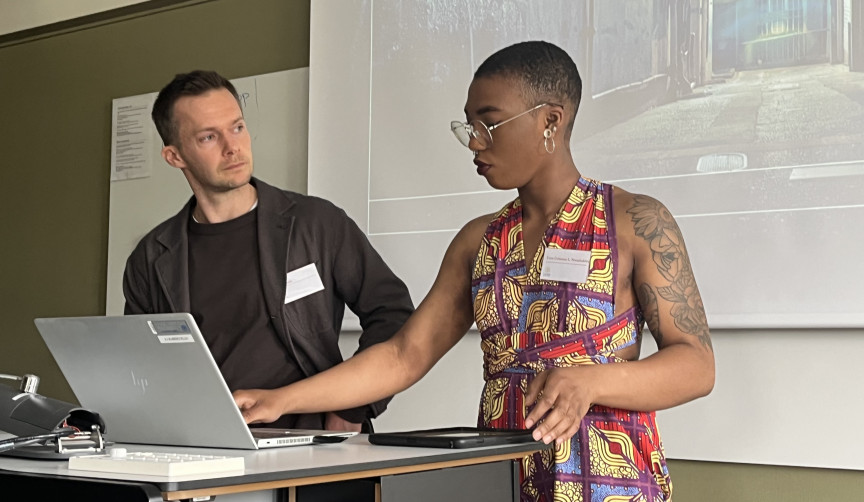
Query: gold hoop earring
(547, 137)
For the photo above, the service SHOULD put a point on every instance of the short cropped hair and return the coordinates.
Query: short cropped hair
(194, 83)
(546, 72)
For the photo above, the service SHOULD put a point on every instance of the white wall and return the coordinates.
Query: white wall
(17, 15)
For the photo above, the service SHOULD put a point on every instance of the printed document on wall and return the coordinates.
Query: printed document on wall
(132, 137)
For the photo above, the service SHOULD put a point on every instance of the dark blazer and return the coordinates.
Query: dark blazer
(294, 230)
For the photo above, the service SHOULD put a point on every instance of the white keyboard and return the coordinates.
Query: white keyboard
(155, 463)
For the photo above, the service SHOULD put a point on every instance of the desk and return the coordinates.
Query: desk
(353, 470)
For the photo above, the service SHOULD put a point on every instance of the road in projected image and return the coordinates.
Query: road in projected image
(764, 173)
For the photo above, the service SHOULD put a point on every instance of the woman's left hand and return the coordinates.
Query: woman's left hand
(563, 397)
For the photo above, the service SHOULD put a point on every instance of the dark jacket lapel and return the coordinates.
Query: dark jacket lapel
(275, 223)
(172, 266)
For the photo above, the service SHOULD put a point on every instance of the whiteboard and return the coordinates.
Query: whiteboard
(276, 109)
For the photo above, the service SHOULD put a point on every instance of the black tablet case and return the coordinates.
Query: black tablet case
(452, 437)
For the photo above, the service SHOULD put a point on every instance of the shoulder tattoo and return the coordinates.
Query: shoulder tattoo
(654, 223)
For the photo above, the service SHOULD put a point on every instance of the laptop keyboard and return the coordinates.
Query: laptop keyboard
(155, 463)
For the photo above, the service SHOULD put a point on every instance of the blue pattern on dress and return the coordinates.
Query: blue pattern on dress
(527, 299)
(599, 493)
(573, 465)
(607, 307)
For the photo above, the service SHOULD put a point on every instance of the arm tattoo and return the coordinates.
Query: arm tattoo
(655, 224)
(648, 302)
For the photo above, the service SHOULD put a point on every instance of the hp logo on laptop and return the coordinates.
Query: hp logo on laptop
(139, 382)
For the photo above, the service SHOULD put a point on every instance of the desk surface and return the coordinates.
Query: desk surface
(271, 468)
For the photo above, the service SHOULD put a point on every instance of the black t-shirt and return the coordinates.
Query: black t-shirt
(228, 303)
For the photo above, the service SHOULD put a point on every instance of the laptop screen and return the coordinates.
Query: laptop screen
(150, 376)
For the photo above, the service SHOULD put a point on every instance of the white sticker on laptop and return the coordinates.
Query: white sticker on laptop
(171, 331)
(176, 339)
(302, 282)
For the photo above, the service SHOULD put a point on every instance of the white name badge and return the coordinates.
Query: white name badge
(302, 282)
(565, 265)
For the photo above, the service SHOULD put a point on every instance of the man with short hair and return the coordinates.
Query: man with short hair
(266, 273)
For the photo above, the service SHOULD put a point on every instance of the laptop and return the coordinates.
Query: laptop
(153, 380)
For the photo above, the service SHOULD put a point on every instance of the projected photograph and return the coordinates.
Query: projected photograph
(745, 117)
(770, 92)
(681, 87)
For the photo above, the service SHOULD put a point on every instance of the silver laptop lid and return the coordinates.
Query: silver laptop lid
(151, 377)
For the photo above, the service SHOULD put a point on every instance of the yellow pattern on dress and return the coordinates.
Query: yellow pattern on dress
(542, 316)
(584, 317)
(523, 334)
(607, 462)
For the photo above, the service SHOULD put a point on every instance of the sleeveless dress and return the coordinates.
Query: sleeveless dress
(528, 325)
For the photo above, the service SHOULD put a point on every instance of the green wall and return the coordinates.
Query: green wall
(722, 482)
(55, 159)
(55, 134)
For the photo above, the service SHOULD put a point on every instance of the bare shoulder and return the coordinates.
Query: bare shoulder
(467, 241)
(642, 218)
(452, 286)
(477, 227)
(472, 232)
(631, 206)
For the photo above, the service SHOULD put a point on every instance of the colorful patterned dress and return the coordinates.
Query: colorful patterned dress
(528, 325)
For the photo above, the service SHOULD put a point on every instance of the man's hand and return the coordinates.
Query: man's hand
(563, 395)
(259, 406)
(333, 422)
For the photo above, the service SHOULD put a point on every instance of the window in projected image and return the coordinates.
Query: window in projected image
(746, 118)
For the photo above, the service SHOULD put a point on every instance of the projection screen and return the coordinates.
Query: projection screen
(746, 118)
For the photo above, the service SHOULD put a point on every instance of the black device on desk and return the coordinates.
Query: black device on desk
(452, 437)
(43, 427)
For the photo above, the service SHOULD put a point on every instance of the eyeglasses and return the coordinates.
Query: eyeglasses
(480, 131)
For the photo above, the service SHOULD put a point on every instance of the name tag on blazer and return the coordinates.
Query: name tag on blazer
(302, 282)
